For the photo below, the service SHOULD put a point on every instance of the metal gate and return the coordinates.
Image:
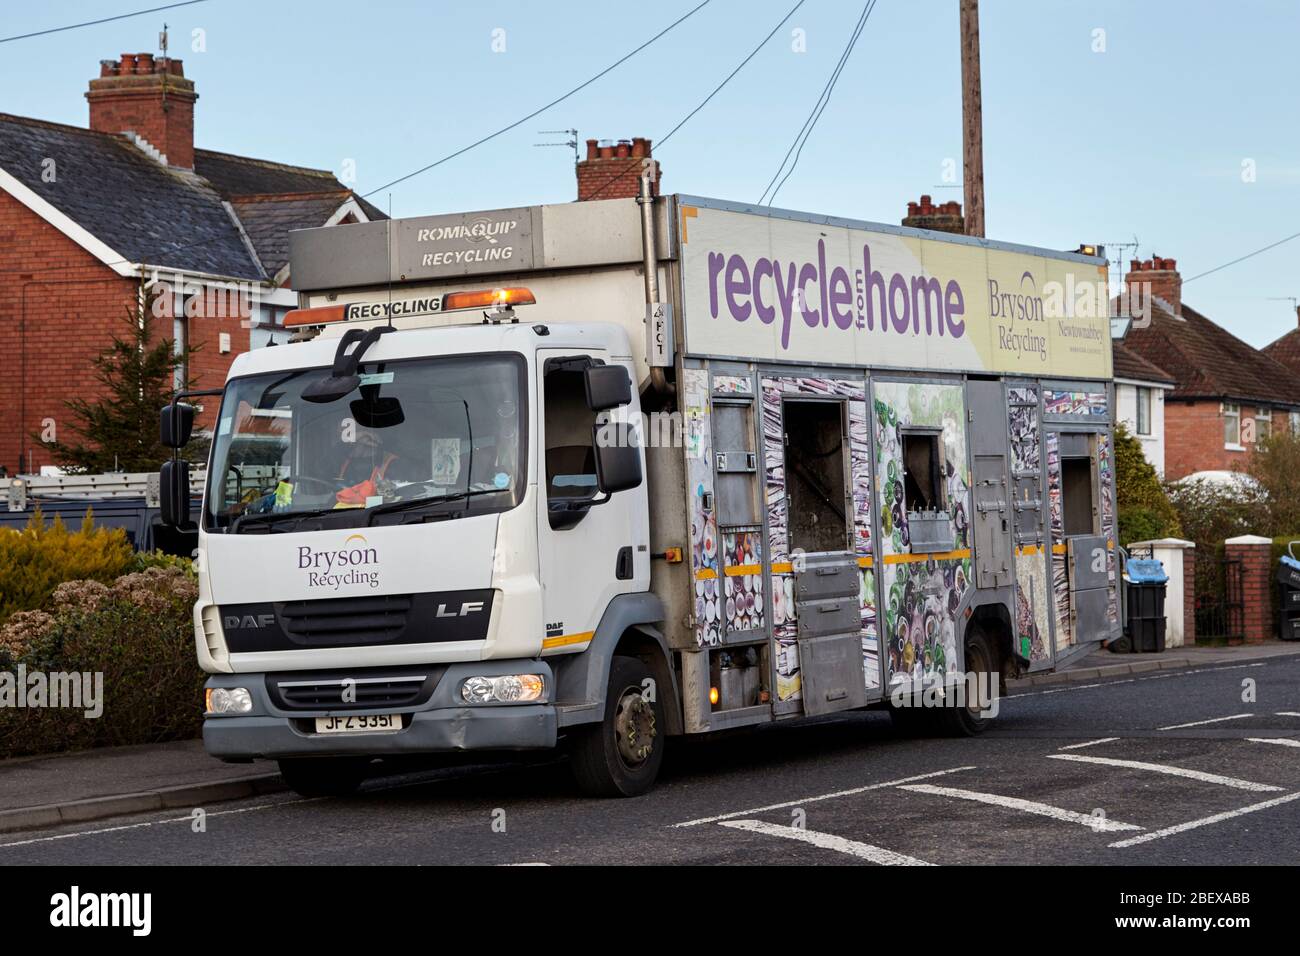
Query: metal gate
(1220, 607)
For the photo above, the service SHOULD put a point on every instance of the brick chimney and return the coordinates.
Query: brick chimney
(946, 217)
(150, 97)
(613, 170)
(1163, 278)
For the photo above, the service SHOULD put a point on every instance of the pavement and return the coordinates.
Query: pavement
(95, 784)
(61, 794)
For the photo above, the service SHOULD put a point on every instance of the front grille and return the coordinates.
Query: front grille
(305, 692)
(346, 621)
(426, 617)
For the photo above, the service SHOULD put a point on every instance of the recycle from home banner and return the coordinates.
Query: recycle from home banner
(773, 288)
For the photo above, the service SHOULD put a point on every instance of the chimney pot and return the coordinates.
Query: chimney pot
(1161, 277)
(135, 93)
(619, 171)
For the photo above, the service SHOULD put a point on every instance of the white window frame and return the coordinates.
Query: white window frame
(1143, 392)
(1263, 423)
(1231, 411)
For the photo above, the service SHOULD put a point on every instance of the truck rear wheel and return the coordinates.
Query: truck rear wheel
(620, 756)
(324, 776)
(964, 719)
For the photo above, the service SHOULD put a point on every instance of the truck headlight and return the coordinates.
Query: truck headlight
(228, 700)
(510, 688)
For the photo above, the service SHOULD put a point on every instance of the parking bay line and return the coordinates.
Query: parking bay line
(1099, 824)
(1283, 741)
(1088, 743)
(826, 841)
(1171, 771)
(1205, 821)
(819, 797)
(1202, 723)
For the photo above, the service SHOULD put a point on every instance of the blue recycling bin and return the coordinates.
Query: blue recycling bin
(1146, 604)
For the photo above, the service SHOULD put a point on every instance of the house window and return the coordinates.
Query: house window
(1263, 423)
(1143, 411)
(1231, 425)
(1294, 418)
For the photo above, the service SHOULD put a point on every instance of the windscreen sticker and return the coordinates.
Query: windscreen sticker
(446, 461)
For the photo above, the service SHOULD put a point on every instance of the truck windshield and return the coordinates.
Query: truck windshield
(439, 436)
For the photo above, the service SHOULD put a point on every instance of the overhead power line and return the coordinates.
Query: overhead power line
(559, 99)
(809, 124)
(619, 177)
(1249, 255)
(91, 23)
(740, 66)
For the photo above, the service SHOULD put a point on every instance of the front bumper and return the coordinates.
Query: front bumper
(443, 723)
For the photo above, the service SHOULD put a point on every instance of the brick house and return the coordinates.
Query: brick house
(88, 215)
(1226, 396)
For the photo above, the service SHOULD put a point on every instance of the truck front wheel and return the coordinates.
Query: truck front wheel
(620, 756)
(323, 776)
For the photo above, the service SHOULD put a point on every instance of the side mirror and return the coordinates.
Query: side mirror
(618, 462)
(175, 422)
(608, 386)
(174, 493)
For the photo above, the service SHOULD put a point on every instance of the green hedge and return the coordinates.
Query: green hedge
(137, 632)
(40, 557)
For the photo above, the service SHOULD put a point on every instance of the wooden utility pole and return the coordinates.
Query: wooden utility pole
(972, 120)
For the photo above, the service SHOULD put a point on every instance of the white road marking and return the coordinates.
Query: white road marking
(1288, 713)
(188, 818)
(1100, 824)
(1201, 723)
(1281, 741)
(827, 841)
(1171, 771)
(823, 796)
(1088, 743)
(1206, 821)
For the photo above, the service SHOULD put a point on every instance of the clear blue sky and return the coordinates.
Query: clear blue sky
(1146, 139)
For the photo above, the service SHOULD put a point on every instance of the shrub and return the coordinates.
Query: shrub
(1275, 466)
(1211, 512)
(1145, 511)
(40, 557)
(138, 632)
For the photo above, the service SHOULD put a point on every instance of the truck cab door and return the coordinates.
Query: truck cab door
(589, 550)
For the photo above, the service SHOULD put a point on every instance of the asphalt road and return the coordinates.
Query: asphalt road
(1082, 773)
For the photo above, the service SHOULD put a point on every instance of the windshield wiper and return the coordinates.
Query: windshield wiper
(273, 517)
(410, 504)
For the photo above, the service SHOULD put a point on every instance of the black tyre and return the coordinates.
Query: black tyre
(964, 719)
(621, 756)
(324, 776)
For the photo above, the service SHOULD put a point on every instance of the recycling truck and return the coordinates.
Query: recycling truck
(595, 475)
